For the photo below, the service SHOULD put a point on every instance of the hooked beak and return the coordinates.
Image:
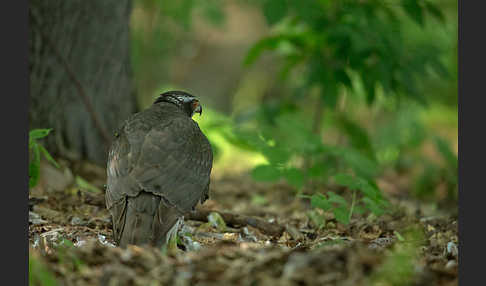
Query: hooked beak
(198, 110)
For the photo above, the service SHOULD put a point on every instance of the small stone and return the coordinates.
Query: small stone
(451, 264)
(80, 243)
(77, 221)
(35, 219)
(451, 249)
(248, 235)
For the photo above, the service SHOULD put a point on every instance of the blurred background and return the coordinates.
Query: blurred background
(292, 91)
(303, 90)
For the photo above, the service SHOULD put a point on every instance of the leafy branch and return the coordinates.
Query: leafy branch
(35, 151)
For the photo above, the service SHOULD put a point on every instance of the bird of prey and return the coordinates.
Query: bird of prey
(158, 169)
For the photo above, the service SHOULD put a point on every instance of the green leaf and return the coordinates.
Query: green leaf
(341, 214)
(359, 209)
(369, 85)
(439, 67)
(66, 243)
(274, 10)
(398, 235)
(425, 183)
(217, 221)
(330, 95)
(83, 184)
(257, 199)
(435, 11)
(318, 170)
(38, 133)
(242, 139)
(34, 166)
(180, 11)
(342, 76)
(265, 173)
(373, 206)
(347, 181)
(213, 12)
(362, 165)
(48, 156)
(335, 198)
(357, 183)
(317, 219)
(308, 10)
(276, 155)
(370, 191)
(320, 201)
(295, 177)
(269, 43)
(39, 273)
(414, 10)
(446, 152)
(358, 136)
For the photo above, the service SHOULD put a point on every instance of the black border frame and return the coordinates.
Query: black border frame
(14, 120)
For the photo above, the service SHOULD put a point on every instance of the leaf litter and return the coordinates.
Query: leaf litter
(71, 242)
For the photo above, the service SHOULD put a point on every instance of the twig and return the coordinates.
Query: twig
(234, 220)
(77, 83)
(352, 206)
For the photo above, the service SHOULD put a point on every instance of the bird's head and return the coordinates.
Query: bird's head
(185, 101)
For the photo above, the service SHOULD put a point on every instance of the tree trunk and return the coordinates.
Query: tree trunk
(80, 73)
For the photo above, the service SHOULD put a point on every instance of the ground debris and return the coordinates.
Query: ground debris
(248, 244)
(234, 219)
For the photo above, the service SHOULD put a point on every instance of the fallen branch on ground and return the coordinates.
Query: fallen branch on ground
(234, 220)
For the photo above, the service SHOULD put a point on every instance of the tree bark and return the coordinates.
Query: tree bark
(80, 73)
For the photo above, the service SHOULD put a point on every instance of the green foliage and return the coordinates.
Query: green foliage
(297, 155)
(181, 11)
(333, 39)
(334, 202)
(446, 152)
(67, 257)
(370, 199)
(257, 199)
(317, 218)
(358, 136)
(339, 47)
(35, 151)
(274, 10)
(399, 267)
(217, 221)
(286, 142)
(265, 173)
(85, 185)
(399, 142)
(38, 272)
(414, 10)
(399, 133)
(434, 174)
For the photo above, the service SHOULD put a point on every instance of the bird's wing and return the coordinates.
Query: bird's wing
(173, 160)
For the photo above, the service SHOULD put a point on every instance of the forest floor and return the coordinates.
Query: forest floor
(71, 240)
